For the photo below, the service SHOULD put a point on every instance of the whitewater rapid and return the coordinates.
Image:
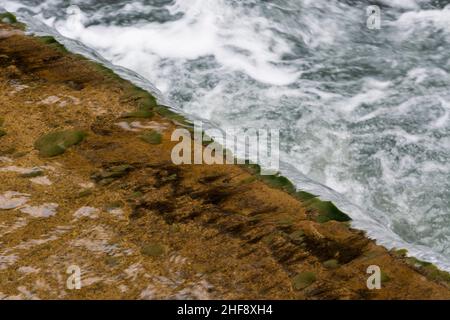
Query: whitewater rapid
(364, 114)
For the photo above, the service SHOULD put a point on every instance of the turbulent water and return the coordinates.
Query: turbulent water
(363, 112)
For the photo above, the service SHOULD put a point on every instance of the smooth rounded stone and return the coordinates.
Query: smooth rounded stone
(90, 212)
(43, 181)
(43, 211)
(56, 143)
(12, 199)
(303, 280)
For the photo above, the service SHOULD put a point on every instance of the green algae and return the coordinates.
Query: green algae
(331, 264)
(325, 210)
(52, 42)
(429, 269)
(279, 182)
(384, 277)
(304, 196)
(9, 18)
(165, 112)
(303, 280)
(401, 253)
(151, 137)
(56, 143)
(141, 112)
(143, 98)
(153, 250)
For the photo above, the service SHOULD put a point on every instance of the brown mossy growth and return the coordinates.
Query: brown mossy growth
(303, 280)
(326, 248)
(113, 205)
(32, 174)
(153, 250)
(284, 222)
(109, 175)
(331, 264)
(151, 137)
(214, 195)
(297, 236)
(247, 180)
(84, 193)
(2, 132)
(112, 261)
(212, 178)
(56, 143)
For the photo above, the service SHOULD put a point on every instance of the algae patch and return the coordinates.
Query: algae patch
(141, 112)
(153, 250)
(303, 280)
(9, 18)
(56, 143)
(52, 42)
(331, 264)
(151, 137)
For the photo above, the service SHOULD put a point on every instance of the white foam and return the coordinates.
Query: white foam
(207, 29)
